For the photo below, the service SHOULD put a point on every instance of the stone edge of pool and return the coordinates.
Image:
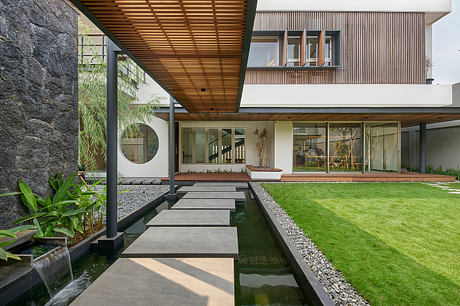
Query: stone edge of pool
(305, 275)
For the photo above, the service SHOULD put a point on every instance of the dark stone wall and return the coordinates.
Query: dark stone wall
(38, 97)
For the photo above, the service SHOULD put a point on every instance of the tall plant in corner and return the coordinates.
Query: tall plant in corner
(92, 94)
(260, 145)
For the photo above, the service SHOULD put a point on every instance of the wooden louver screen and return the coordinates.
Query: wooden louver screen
(321, 42)
(303, 46)
(194, 48)
(284, 53)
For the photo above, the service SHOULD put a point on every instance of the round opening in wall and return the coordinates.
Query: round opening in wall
(139, 143)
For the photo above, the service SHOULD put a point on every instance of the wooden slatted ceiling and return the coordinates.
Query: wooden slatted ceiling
(405, 119)
(186, 44)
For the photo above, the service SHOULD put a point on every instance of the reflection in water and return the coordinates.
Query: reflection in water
(263, 273)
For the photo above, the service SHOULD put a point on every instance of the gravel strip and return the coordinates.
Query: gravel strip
(341, 292)
(137, 196)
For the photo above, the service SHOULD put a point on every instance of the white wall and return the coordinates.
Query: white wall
(442, 147)
(346, 95)
(428, 6)
(251, 140)
(284, 146)
(158, 166)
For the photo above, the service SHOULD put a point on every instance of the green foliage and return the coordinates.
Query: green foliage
(439, 170)
(74, 208)
(396, 243)
(92, 92)
(11, 233)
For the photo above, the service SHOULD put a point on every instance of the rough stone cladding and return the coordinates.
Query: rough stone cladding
(38, 97)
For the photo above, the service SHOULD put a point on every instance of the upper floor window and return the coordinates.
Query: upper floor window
(293, 51)
(312, 51)
(264, 52)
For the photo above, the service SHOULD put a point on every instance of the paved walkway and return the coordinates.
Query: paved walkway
(185, 257)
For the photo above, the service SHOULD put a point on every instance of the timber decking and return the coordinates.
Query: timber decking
(186, 189)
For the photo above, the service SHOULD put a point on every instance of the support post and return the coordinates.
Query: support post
(172, 152)
(113, 240)
(422, 148)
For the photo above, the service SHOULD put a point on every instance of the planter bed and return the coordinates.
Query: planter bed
(264, 174)
(133, 206)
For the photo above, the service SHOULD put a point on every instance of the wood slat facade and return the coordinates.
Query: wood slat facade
(193, 48)
(376, 48)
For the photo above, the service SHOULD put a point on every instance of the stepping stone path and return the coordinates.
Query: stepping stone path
(186, 189)
(191, 218)
(237, 196)
(185, 257)
(445, 187)
(206, 204)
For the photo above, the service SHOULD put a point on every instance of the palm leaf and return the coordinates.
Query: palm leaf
(28, 196)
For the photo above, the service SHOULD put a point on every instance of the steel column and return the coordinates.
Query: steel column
(422, 148)
(172, 147)
(112, 137)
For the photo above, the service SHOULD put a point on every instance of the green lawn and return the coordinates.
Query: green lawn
(397, 243)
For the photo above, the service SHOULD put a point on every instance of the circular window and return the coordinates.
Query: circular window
(139, 143)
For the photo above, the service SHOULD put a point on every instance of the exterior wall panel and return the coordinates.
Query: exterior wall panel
(376, 48)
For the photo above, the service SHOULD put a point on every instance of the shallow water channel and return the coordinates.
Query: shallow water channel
(262, 274)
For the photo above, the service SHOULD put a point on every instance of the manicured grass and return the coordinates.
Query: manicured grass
(397, 243)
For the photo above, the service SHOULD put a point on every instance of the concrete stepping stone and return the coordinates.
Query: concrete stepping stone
(186, 189)
(206, 204)
(455, 192)
(185, 242)
(237, 195)
(191, 218)
(222, 184)
(163, 281)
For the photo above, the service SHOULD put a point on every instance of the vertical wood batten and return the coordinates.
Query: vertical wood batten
(376, 48)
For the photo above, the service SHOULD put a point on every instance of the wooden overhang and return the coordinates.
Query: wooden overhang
(195, 49)
(407, 116)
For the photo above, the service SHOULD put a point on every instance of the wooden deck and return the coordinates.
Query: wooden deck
(317, 177)
(210, 177)
(366, 177)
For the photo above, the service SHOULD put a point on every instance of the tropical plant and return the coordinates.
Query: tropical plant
(92, 102)
(7, 237)
(73, 208)
(260, 145)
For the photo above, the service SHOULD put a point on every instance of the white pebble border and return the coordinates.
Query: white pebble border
(333, 282)
(136, 197)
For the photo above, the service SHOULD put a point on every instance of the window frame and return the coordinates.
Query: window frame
(273, 36)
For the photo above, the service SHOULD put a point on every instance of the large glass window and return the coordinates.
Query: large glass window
(345, 151)
(293, 51)
(381, 147)
(310, 144)
(264, 52)
(139, 143)
(214, 146)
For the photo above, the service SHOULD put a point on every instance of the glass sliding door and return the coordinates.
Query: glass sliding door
(345, 147)
(187, 145)
(213, 146)
(200, 145)
(310, 144)
(226, 146)
(382, 147)
(240, 147)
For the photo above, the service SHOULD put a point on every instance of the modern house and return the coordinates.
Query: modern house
(332, 82)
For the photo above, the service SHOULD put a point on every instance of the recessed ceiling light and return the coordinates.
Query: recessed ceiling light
(203, 89)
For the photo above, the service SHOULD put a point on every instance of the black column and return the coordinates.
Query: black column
(172, 148)
(422, 149)
(112, 135)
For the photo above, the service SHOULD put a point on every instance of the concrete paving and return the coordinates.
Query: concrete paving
(186, 189)
(191, 218)
(183, 242)
(206, 204)
(241, 185)
(237, 195)
(163, 281)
